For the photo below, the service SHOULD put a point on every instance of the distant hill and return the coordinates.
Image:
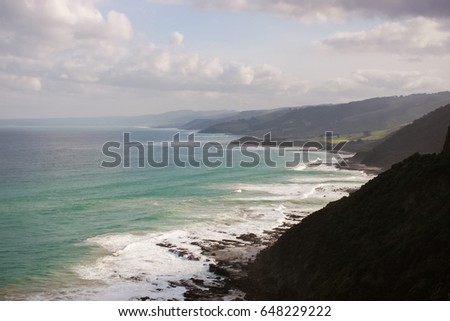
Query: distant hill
(425, 135)
(203, 123)
(360, 116)
(387, 241)
(174, 119)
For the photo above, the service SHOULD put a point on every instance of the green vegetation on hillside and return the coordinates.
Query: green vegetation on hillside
(355, 117)
(425, 135)
(374, 135)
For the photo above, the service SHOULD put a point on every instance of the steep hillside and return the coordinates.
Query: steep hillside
(238, 121)
(390, 240)
(203, 123)
(360, 116)
(425, 135)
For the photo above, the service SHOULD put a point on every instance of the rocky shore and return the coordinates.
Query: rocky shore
(229, 259)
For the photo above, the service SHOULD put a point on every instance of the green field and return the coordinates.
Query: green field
(362, 136)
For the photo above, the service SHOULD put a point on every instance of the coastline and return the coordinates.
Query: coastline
(230, 257)
(356, 166)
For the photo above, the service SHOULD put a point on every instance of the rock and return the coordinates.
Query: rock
(218, 270)
(249, 237)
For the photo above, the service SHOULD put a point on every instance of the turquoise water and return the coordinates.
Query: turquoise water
(55, 198)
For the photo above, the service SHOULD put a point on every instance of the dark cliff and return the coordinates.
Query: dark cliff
(390, 240)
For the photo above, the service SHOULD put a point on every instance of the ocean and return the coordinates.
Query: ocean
(71, 229)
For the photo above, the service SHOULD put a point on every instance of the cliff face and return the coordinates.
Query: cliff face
(390, 240)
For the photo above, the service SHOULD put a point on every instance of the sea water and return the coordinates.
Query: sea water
(71, 229)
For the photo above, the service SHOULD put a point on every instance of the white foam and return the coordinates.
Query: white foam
(136, 260)
(137, 266)
(273, 192)
(149, 260)
(299, 167)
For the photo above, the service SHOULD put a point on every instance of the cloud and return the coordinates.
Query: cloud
(171, 70)
(35, 28)
(318, 10)
(118, 26)
(402, 80)
(416, 36)
(21, 83)
(398, 8)
(177, 38)
(71, 43)
(377, 80)
(325, 10)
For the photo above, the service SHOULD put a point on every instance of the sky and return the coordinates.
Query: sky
(94, 58)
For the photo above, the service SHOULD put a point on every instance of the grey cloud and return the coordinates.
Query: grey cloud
(396, 8)
(331, 10)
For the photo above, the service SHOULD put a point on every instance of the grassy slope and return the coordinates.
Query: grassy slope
(425, 135)
(374, 135)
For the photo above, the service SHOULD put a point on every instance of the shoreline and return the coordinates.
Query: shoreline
(233, 258)
(230, 257)
(356, 166)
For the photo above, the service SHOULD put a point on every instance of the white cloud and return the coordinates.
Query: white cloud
(119, 26)
(171, 70)
(73, 43)
(395, 81)
(177, 38)
(416, 36)
(36, 28)
(21, 83)
(212, 68)
(163, 62)
(402, 80)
